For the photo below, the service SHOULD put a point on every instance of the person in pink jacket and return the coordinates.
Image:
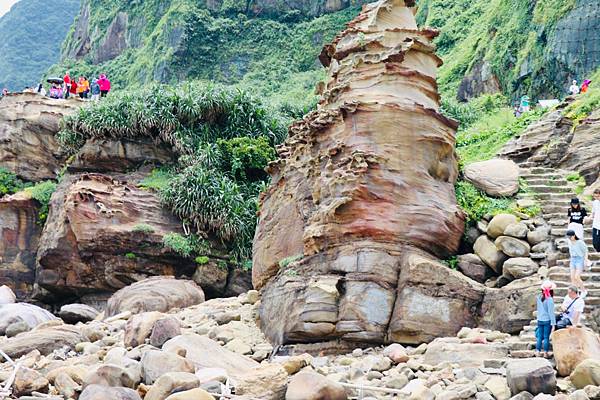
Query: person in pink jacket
(104, 84)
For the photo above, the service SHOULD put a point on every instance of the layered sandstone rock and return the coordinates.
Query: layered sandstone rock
(28, 123)
(363, 197)
(103, 234)
(19, 236)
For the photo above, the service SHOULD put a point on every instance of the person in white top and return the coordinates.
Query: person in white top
(573, 306)
(574, 89)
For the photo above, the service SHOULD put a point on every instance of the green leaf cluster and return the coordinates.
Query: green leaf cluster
(9, 182)
(42, 193)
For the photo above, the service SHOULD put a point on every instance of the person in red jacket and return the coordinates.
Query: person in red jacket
(73, 89)
(104, 84)
(67, 80)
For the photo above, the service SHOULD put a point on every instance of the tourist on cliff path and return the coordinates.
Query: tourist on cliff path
(67, 81)
(56, 91)
(578, 253)
(95, 90)
(104, 85)
(83, 87)
(596, 220)
(577, 216)
(585, 86)
(41, 90)
(572, 309)
(574, 89)
(525, 104)
(546, 321)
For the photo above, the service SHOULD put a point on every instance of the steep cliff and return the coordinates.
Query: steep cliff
(269, 45)
(362, 199)
(32, 33)
(533, 47)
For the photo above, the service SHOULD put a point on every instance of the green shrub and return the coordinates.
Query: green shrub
(476, 203)
(130, 256)
(288, 260)
(246, 158)
(452, 262)
(9, 183)
(42, 193)
(201, 260)
(157, 180)
(178, 243)
(144, 228)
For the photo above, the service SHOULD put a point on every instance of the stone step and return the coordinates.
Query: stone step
(556, 198)
(566, 276)
(543, 189)
(519, 346)
(564, 268)
(592, 254)
(535, 181)
(527, 175)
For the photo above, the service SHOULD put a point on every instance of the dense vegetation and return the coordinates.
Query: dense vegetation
(273, 54)
(32, 33)
(518, 39)
(224, 139)
(41, 191)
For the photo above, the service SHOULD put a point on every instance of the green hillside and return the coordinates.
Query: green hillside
(31, 35)
(270, 49)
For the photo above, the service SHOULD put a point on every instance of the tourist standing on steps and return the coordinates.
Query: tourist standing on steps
(572, 309)
(104, 85)
(574, 89)
(546, 321)
(577, 216)
(585, 86)
(596, 220)
(95, 90)
(578, 253)
(525, 104)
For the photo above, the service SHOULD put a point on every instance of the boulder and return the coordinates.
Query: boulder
(194, 394)
(172, 382)
(498, 387)
(464, 354)
(518, 230)
(7, 296)
(573, 346)
(28, 381)
(533, 375)
(110, 375)
(512, 247)
(396, 352)
(157, 363)
(472, 266)
(28, 125)
(499, 223)
(519, 267)
(206, 353)
(328, 250)
(82, 249)
(267, 382)
(313, 386)
(510, 308)
(586, 373)
(74, 313)
(45, 340)
(29, 314)
(20, 232)
(99, 392)
(495, 177)
(489, 253)
(139, 327)
(155, 294)
(538, 235)
(163, 330)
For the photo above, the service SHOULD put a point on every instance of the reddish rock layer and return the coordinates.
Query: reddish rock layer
(363, 191)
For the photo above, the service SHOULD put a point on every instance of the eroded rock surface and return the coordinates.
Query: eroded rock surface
(364, 191)
(103, 234)
(28, 123)
(19, 236)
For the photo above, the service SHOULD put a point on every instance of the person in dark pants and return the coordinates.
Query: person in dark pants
(546, 320)
(596, 220)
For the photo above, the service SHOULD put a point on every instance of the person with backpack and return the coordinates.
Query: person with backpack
(546, 320)
(578, 254)
(572, 309)
(596, 220)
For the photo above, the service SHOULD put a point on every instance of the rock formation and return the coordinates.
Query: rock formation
(19, 236)
(363, 197)
(28, 123)
(103, 234)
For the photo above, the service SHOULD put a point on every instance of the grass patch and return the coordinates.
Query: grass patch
(144, 228)
(130, 256)
(158, 179)
(585, 103)
(578, 181)
(288, 260)
(42, 193)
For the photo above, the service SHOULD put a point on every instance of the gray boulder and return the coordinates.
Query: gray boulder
(532, 375)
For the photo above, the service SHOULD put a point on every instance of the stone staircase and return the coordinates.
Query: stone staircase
(553, 192)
